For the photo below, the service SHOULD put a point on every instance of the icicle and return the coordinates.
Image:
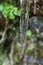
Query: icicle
(28, 9)
(22, 21)
(35, 18)
(34, 6)
(21, 1)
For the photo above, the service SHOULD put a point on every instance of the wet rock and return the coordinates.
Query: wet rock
(36, 25)
(40, 60)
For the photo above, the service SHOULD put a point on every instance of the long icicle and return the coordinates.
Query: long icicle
(22, 21)
(22, 27)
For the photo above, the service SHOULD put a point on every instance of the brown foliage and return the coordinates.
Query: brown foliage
(39, 8)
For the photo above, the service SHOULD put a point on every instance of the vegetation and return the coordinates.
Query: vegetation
(21, 32)
(10, 12)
